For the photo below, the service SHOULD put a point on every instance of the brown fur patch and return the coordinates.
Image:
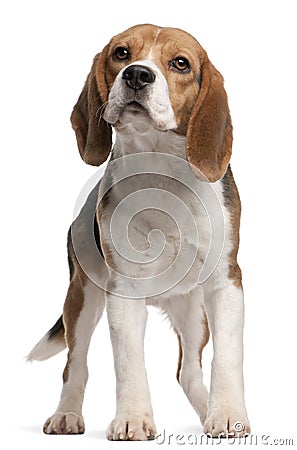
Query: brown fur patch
(163, 44)
(93, 133)
(232, 203)
(209, 135)
(73, 305)
(66, 369)
(106, 243)
(197, 96)
(206, 335)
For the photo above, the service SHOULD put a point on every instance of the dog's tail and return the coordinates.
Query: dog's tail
(52, 343)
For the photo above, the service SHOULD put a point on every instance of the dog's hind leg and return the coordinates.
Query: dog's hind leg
(189, 321)
(83, 308)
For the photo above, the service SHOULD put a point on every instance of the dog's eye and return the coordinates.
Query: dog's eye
(180, 64)
(121, 54)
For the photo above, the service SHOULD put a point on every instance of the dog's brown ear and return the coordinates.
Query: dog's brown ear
(209, 134)
(93, 133)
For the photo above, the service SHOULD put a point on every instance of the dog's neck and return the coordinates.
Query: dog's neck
(137, 132)
(145, 138)
(143, 149)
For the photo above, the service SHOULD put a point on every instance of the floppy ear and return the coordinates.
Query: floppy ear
(209, 134)
(93, 133)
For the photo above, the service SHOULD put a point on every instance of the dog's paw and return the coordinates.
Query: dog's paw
(64, 423)
(138, 427)
(222, 422)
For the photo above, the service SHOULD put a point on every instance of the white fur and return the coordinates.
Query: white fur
(70, 406)
(150, 251)
(169, 237)
(187, 316)
(45, 349)
(224, 306)
(155, 99)
(160, 227)
(134, 417)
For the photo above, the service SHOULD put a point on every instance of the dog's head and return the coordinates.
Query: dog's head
(164, 75)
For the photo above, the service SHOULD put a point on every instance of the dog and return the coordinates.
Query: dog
(160, 228)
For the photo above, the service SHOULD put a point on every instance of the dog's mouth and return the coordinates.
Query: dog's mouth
(135, 108)
(138, 115)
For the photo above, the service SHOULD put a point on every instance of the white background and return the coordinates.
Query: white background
(46, 52)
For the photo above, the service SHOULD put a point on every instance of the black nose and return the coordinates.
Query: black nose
(137, 77)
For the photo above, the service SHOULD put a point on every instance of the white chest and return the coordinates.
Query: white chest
(165, 226)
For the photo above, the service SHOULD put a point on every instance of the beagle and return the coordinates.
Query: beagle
(160, 228)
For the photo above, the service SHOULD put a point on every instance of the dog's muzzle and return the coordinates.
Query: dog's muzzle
(137, 77)
(140, 88)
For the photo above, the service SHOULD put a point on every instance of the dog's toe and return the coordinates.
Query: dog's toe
(226, 423)
(64, 423)
(131, 429)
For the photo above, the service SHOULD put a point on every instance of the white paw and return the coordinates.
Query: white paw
(136, 427)
(64, 423)
(222, 422)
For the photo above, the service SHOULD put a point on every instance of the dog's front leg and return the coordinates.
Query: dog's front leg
(226, 410)
(134, 417)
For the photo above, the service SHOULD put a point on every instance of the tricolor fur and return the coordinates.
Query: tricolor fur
(161, 228)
